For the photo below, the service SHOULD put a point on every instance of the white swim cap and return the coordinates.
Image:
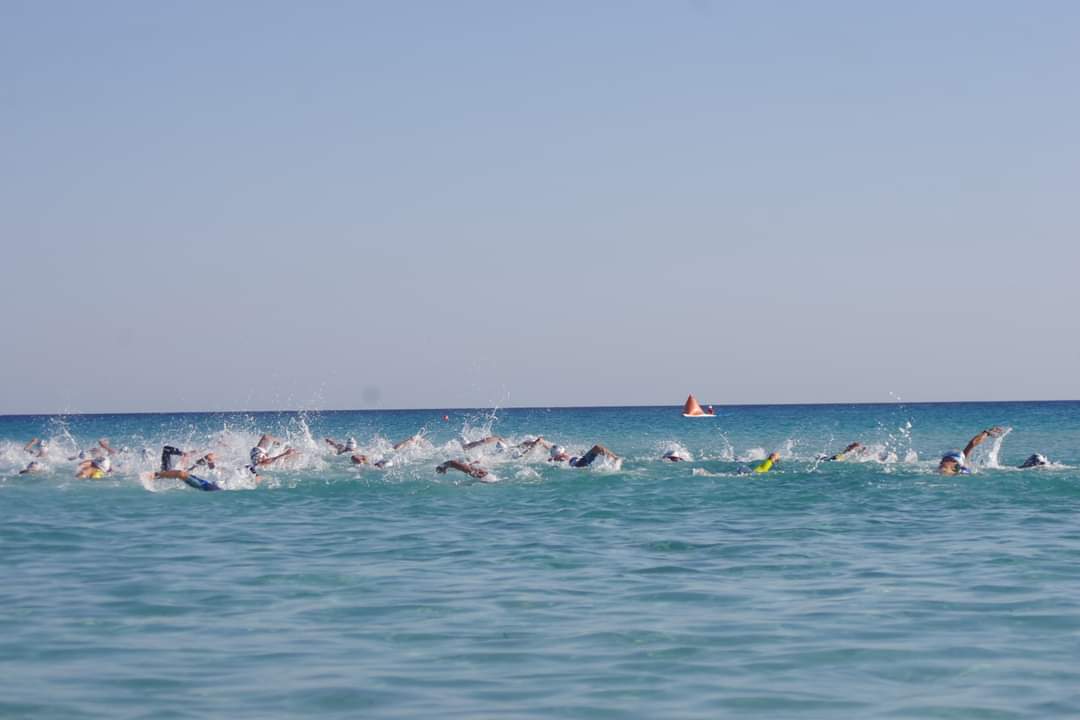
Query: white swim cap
(557, 450)
(350, 444)
(955, 455)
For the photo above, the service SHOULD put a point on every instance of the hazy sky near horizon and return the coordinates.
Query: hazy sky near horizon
(259, 205)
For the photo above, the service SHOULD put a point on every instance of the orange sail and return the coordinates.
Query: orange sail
(692, 407)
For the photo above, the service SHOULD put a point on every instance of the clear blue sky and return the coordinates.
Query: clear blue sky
(343, 204)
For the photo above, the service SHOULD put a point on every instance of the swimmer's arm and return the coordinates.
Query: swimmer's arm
(605, 452)
(406, 442)
(28, 447)
(596, 451)
(977, 440)
(471, 470)
(275, 458)
(845, 451)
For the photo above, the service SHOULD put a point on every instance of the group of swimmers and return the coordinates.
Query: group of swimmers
(261, 456)
(93, 464)
(96, 463)
(190, 466)
(556, 453)
(954, 462)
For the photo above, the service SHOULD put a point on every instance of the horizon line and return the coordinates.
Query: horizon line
(520, 407)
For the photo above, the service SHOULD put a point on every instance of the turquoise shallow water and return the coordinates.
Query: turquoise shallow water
(863, 589)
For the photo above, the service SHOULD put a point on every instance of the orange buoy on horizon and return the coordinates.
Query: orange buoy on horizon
(692, 408)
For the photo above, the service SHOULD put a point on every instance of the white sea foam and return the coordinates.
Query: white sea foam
(986, 455)
(673, 448)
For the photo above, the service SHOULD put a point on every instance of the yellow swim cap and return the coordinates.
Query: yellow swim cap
(96, 475)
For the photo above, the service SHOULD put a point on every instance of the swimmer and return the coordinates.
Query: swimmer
(349, 445)
(498, 442)
(171, 457)
(359, 459)
(841, 456)
(767, 464)
(471, 469)
(37, 448)
(260, 454)
(103, 447)
(590, 457)
(558, 454)
(95, 468)
(954, 463)
(538, 441)
(674, 456)
(409, 442)
(1034, 461)
(33, 468)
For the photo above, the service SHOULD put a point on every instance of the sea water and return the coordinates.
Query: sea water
(645, 588)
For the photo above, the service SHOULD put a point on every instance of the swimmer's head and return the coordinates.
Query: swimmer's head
(952, 463)
(351, 444)
(774, 456)
(33, 467)
(557, 451)
(1035, 460)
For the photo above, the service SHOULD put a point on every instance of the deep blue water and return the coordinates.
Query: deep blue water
(819, 590)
